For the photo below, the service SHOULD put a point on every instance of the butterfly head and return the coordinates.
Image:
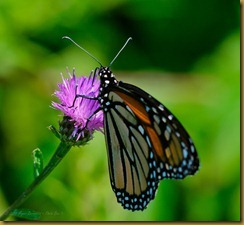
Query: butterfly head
(106, 76)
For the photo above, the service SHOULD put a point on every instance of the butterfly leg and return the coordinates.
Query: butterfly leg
(89, 118)
(87, 97)
(83, 96)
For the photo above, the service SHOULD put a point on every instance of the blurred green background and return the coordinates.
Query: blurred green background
(185, 53)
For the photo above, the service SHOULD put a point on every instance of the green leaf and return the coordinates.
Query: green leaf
(37, 162)
(26, 214)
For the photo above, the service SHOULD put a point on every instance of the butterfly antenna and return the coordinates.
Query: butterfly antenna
(66, 37)
(130, 38)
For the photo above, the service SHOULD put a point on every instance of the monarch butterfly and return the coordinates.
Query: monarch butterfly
(145, 142)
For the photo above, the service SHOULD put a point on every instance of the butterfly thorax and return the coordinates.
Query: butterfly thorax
(107, 81)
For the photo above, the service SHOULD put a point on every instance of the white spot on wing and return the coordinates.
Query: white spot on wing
(168, 129)
(166, 135)
(161, 107)
(156, 118)
(141, 129)
(154, 110)
(147, 109)
(177, 134)
(170, 117)
(185, 153)
(148, 141)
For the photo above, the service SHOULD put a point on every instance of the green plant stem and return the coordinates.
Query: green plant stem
(61, 151)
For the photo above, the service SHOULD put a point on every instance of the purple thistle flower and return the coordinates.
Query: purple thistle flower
(80, 112)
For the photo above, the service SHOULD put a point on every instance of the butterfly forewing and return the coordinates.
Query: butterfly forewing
(174, 150)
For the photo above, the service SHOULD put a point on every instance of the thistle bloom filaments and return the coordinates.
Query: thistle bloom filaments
(79, 120)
